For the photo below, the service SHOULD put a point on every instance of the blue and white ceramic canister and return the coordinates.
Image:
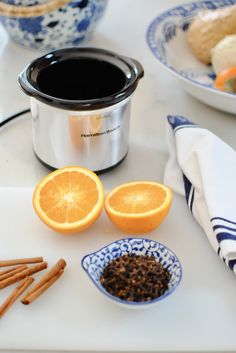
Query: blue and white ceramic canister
(68, 25)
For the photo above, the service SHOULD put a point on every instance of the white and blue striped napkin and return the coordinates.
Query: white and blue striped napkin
(203, 168)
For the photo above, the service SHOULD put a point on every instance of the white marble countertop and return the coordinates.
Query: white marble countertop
(123, 29)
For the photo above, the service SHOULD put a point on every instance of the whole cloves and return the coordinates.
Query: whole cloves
(135, 278)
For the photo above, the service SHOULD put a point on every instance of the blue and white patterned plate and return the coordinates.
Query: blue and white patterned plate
(95, 263)
(167, 39)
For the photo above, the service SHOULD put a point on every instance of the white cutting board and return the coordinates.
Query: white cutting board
(73, 315)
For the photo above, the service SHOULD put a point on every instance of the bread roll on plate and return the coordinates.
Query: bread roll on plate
(208, 28)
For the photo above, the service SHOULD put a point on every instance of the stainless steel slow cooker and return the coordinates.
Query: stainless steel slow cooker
(80, 104)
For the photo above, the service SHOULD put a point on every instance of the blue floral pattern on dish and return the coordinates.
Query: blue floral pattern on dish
(94, 263)
(31, 25)
(69, 25)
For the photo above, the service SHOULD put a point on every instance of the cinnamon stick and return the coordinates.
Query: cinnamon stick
(27, 272)
(36, 293)
(45, 282)
(12, 271)
(9, 270)
(15, 294)
(30, 260)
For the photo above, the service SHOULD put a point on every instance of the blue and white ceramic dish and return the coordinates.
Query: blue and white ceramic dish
(95, 263)
(167, 39)
(67, 26)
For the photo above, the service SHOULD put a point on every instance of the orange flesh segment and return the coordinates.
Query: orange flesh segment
(137, 198)
(68, 197)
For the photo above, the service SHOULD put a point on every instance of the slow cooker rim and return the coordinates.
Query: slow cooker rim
(135, 69)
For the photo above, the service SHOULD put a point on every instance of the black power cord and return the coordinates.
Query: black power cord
(5, 121)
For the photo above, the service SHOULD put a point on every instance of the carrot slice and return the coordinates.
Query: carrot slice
(226, 80)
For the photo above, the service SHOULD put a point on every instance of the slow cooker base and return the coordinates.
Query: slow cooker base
(95, 171)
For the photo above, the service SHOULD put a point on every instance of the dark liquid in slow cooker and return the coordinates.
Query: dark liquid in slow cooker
(81, 79)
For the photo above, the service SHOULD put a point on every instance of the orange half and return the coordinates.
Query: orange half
(69, 200)
(138, 207)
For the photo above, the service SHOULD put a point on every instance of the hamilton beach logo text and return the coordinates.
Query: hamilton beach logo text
(108, 131)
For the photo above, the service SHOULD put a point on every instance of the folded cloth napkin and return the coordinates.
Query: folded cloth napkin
(203, 168)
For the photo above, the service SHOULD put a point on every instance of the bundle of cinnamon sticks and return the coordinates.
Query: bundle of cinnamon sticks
(19, 270)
